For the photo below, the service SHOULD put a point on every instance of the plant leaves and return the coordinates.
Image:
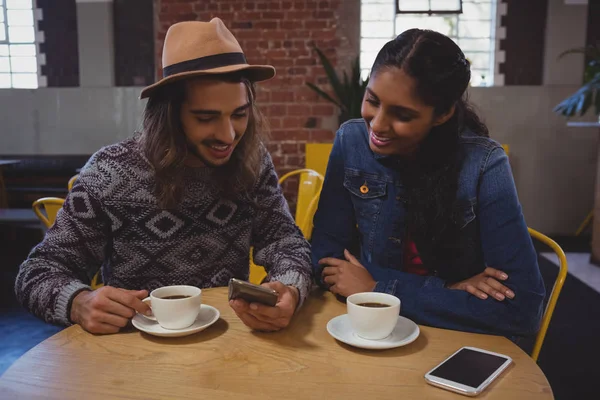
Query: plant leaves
(347, 88)
(591, 71)
(566, 106)
(576, 103)
(349, 91)
(597, 101)
(589, 51)
(323, 94)
(332, 76)
(584, 103)
(592, 58)
(571, 107)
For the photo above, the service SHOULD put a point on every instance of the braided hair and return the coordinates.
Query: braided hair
(442, 74)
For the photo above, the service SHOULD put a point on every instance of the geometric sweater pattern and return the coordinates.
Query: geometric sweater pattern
(111, 222)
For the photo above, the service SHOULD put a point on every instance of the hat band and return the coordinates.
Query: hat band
(205, 63)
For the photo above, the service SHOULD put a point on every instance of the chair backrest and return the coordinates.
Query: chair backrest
(257, 273)
(306, 225)
(317, 156)
(72, 182)
(558, 284)
(309, 187)
(46, 209)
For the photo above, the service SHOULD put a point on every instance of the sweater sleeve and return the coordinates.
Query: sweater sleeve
(71, 252)
(278, 243)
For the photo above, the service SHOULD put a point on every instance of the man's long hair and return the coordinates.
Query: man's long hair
(164, 144)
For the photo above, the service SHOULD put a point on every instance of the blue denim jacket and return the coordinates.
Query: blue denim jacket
(492, 232)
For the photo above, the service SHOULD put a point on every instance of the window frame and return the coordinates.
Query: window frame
(8, 43)
(5, 23)
(429, 11)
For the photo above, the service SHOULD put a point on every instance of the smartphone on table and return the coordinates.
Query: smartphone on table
(239, 289)
(468, 371)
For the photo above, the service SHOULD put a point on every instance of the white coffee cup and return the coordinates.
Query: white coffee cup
(373, 323)
(177, 313)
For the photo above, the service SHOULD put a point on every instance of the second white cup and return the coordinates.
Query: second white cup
(373, 315)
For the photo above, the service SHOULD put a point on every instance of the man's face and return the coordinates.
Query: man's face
(214, 116)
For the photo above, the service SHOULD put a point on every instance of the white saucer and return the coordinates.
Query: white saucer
(404, 333)
(208, 315)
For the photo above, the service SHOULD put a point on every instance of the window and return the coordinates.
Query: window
(473, 30)
(429, 6)
(18, 61)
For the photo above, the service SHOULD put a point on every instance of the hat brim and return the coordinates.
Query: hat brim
(255, 73)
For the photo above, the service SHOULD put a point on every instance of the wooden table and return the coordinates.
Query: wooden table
(228, 361)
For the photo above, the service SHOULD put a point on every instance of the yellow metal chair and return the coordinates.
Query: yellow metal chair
(558, 284)
(309, 187)
(317, 156)
(257, 272)
(586, 222)
(72, 182)
(46, 209)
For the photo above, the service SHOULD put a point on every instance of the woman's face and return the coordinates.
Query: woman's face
(397, 120)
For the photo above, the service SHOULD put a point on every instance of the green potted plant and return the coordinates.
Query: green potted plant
(589, 94)
(348, 91)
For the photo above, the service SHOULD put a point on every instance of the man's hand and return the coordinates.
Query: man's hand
(107, 309)
(265, 318)
(486, 283)
(347, 277)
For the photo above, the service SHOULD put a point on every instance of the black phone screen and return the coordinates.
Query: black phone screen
(468, 367)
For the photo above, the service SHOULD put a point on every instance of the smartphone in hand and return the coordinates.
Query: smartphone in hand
(239, 289)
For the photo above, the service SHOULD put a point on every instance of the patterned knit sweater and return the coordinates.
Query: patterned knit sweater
(111, 222)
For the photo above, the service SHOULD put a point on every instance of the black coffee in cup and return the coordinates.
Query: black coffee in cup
(373, 305)
(175, 297)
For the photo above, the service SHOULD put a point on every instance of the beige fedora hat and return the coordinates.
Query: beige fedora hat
(196, 48)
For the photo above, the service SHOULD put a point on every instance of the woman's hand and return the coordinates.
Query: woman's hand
(346, 277)
(486, 283)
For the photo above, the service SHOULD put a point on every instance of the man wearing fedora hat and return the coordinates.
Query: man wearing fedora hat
(181, 202)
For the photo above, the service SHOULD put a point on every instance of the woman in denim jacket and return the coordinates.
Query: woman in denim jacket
(426, 200)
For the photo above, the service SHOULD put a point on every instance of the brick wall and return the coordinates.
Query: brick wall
(280, 32)
(59, 25)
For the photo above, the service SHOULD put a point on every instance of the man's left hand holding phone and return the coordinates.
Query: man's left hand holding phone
(262, 317)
